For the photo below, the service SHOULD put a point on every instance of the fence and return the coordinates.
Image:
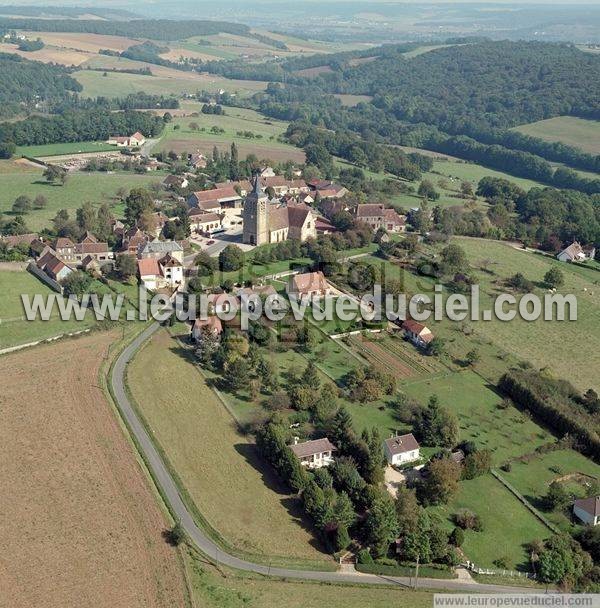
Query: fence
(491, 572)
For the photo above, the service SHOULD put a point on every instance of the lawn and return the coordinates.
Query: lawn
(532, 478)
(14, 328)
(507, 433)
(80, 187)
(507, 524)
(222, 474)
(64, 148)
(578, 132)
(264, 144)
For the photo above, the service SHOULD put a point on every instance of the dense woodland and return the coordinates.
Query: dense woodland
(25, 83)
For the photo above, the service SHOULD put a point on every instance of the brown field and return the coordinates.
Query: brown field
(80, 525)
(380, 357)
(310, 72)
(48, 54)
(90, 43)
(175, 53)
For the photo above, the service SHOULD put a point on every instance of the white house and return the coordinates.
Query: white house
(417, 333)
(401, 449)
(137, 139)
(576, 253)
(314, 454)
(588, 510)
(159, 273)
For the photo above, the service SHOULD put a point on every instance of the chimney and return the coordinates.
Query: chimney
(296, 440)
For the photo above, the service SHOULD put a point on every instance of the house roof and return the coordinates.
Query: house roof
(402, 444)
(88, 247)
(207, 217)
(62, 242)
(370, 210)
(55, 265)
(173, 180)
(212, 322)
(589, 505)
(309, 448)
(88, 237)
(169, 261)
(574, 250)
(217, 194)
(17, 239)
(137, 135)
(309, 281)
(161, 247)
(260, 290)
(415, 327)
(88, 261)
(148, 267)
(391, 215)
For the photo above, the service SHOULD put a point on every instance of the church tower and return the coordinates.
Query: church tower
(256, 222)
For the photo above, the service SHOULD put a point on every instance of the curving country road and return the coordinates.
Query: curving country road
(208, 547)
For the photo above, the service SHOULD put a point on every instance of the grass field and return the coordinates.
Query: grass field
(235, 120)
(18, 179)
(220, 470)
(533, 477)
(162, 82)
(506, 433)
(577, 132)
(507, 524)
(14, 328)
(66, 148)
(80, 522)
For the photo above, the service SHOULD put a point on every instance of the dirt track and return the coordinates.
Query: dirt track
(79, 525)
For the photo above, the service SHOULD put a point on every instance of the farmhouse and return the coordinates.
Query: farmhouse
(166, 272)
(28, 239)
(308, 285)
(265, 222)
(266, 172)
(576, 253)
(133, 239)
(588, 510)
(314, 454)
(377, 216)
(137, 139)
(401, 449)
(417, 333)
(88, 246)
(197, 161)
(326, 189)
(50, 263)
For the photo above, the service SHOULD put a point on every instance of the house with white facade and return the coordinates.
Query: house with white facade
(587, 510)
(166, 272)
(401, 449)
(576, 253)
(417, 333)
(314, 454)
(309, 284)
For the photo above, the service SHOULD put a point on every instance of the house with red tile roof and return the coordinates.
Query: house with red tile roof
(377, 216)
(417, 333)
(309, 284)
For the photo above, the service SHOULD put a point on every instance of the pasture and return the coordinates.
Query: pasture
(507, 524)
(507, 433)
(76, 147)
(235, 122)
(239, 497)
(90, 525)
(19, 179)
(577, 132)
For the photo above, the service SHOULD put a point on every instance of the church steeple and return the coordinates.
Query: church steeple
(255, 215)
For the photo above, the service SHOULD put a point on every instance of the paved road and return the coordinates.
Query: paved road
(207, 546)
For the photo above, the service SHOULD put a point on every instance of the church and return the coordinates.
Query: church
(266, 222)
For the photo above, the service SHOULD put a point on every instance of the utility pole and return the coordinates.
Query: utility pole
(417, 572)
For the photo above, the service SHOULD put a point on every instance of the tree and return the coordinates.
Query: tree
(310, 377)
(7, 149)
(435, 425)
(457, 537)
(176, 535)
(53, 173)
(436, 347)
(557, 498)
(206, 265)
(40, 201)
(454, 259)
(554, 278)
(77, 283)
(86, 217)
(237, 374)
(126, 266)
(231, 258)
(22, 205)
(472, 357)
(427, 190)
(441, 482)
(138, 201)
(477, 463)
(407, 509)
(381, 526)
(466, 189)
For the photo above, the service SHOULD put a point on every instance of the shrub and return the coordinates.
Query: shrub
(364, 557)
(468, 520)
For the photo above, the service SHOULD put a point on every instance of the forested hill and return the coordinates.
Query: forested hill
(488, 84)
(156, 29)
(25, 83)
